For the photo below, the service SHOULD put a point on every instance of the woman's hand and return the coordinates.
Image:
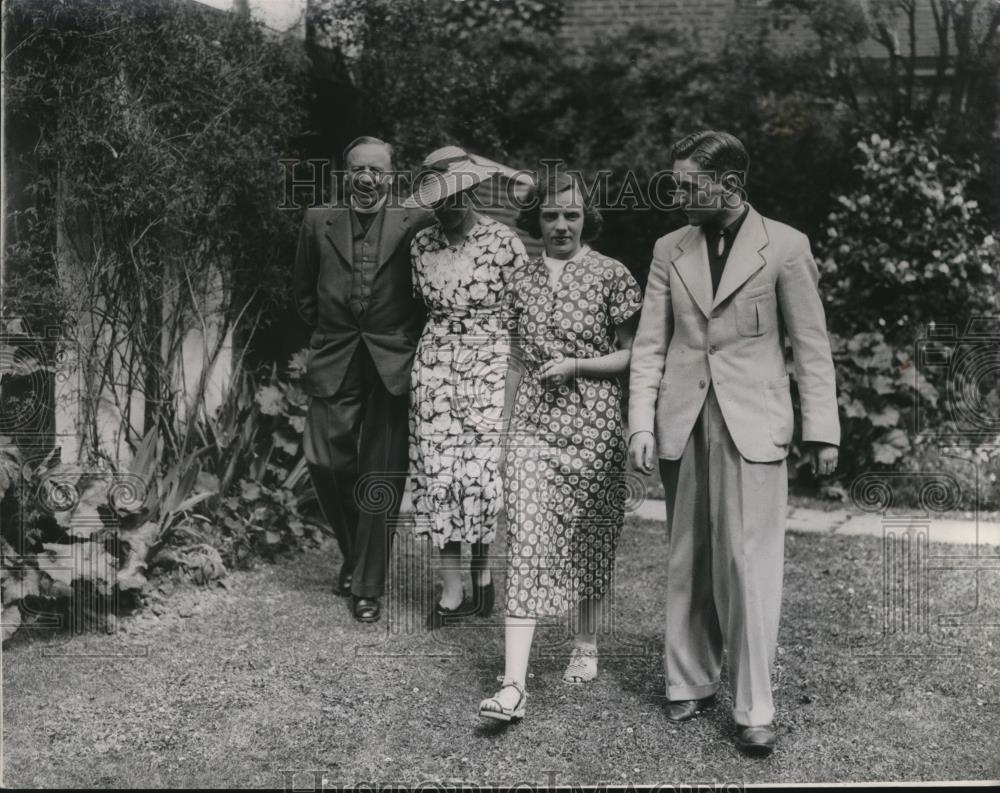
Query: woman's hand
(557, 371)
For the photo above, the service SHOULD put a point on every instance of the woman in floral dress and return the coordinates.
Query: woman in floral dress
(461, 266)
(571, 314)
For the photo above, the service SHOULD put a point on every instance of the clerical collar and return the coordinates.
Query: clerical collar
(373, 211)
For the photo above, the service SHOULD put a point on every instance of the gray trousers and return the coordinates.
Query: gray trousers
(726, 527)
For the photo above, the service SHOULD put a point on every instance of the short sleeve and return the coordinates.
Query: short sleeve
(623, 294)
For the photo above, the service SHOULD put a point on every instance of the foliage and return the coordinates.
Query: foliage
(144, 142)
(433, 72)
(960, 96)
(100, 534)
(916, 247)
(620, 104)
(945, 83)
(901, 235)
(257, 442)
(910, 239)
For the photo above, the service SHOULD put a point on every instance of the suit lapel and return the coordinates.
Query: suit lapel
(692, 267)
(745, 258)
(338, 233)
(395, 224)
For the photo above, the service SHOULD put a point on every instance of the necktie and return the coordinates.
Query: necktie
(720, 245)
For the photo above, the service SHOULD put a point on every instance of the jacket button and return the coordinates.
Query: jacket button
(701, 384)
(712, 349)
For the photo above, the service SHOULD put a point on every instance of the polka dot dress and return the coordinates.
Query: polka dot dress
(457, 380)
(565, 458)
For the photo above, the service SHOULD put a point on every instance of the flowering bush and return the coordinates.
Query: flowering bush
(909, 245)
(906, 252)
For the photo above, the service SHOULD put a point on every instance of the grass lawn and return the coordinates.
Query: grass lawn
(273, 675)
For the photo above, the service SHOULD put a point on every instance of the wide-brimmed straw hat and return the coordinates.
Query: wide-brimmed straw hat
(447, 171)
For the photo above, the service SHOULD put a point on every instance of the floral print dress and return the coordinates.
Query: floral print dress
(457, 380)
(565, 457)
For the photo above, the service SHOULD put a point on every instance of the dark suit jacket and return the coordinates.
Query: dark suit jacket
(393, 321)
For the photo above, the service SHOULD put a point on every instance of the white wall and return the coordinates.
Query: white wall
(282, 16)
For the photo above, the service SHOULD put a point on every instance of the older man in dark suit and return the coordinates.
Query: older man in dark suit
(353, 285)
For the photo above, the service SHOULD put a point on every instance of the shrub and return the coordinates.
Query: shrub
(144, 147)
(96, 536)
(905, 252)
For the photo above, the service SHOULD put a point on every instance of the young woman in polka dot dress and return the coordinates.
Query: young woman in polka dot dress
(572, 316)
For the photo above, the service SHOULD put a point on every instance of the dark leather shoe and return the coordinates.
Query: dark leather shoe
(686, 709)
(439, 614)
(367, 609)
(756, 741)
(342, 586)
(482, 599)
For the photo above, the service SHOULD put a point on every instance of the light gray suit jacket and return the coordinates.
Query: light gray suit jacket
(686, 340)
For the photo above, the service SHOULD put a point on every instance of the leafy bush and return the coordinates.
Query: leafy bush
(905, 252)
(144, 142)
(910, 240)
(433, 72)
(618, 106)
(98, 535)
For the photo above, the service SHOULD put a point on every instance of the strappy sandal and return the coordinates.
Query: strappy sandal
(582, 667)
(499, 712)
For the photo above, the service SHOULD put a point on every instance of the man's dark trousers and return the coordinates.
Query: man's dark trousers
(356, 445)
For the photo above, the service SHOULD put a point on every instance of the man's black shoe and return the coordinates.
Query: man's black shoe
(756, 741)
(686, 709)
(367, 609)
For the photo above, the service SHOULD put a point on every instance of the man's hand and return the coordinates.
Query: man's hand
(642, 451)
(823, 458)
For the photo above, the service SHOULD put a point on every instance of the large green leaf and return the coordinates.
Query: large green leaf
(65, 563)
(10, 464)
(144, 463)
(19, 583)
(924, 387)
(890, 447)
(10, 621)
(888, 416)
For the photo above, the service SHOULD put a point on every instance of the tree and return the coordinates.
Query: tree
(433, 72)
(960, 95)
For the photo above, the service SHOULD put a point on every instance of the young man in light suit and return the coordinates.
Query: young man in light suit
(709, 393)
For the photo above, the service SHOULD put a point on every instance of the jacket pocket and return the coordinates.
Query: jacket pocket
(755, 313)
(781, 420)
